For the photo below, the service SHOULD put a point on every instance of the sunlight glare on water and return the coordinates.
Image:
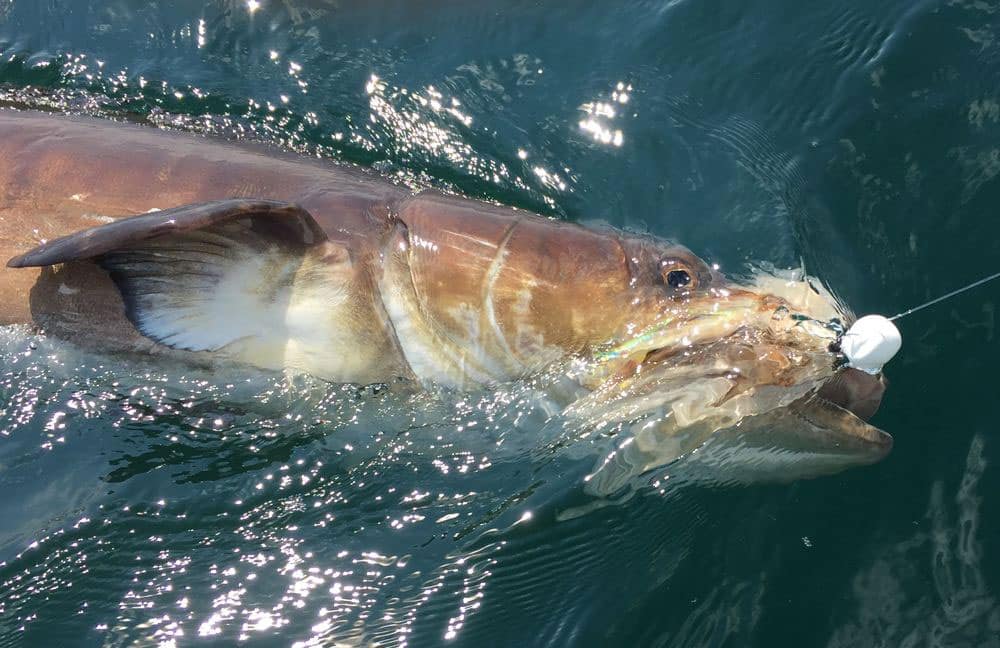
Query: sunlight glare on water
(148, 503)
(292, 502)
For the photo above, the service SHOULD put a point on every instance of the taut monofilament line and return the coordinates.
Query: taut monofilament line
(873, 340)
(946, 296)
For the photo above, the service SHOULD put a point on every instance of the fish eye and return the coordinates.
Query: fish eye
(676, 275)
(677, 278)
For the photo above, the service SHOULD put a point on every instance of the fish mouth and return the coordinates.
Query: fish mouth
(844, 405)
(759, 360)
(856, 391)
(826, 430)
(744, 427)
(772, 337)
(828, 417)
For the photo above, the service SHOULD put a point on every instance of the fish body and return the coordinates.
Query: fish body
(126, 238)
(482, 293)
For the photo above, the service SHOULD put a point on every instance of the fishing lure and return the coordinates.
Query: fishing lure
(873, 340)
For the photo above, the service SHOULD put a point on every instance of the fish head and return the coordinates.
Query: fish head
(766, 328)
(756, 359)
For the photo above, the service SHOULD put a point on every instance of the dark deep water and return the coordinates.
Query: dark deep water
(143, 504)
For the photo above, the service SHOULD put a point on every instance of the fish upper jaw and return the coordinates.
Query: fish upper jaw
(766, 339)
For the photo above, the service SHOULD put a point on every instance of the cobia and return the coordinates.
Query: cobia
(124, 238)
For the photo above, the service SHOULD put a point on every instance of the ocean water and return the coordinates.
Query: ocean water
(145, 504)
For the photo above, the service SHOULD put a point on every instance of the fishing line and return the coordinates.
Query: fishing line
(944, 297)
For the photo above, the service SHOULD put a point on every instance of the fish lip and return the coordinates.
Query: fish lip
(866, 433)
(854, 396)
(856, 391)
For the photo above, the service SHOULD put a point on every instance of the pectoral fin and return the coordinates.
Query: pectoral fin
(267, 218)
(203, 277)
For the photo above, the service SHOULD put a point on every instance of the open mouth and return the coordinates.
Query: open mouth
(841, 409)
(855, 391)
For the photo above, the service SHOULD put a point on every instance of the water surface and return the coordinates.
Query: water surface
(145, 504)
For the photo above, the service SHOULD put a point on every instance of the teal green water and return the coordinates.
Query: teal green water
(143, 504)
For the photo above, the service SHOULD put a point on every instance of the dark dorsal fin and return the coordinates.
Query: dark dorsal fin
(269, 218)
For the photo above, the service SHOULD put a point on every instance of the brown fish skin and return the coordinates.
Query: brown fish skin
(500, 291)
(60, 175)
(507, 292)
(370, 282)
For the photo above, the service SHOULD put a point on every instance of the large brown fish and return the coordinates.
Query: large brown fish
(125, 238)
